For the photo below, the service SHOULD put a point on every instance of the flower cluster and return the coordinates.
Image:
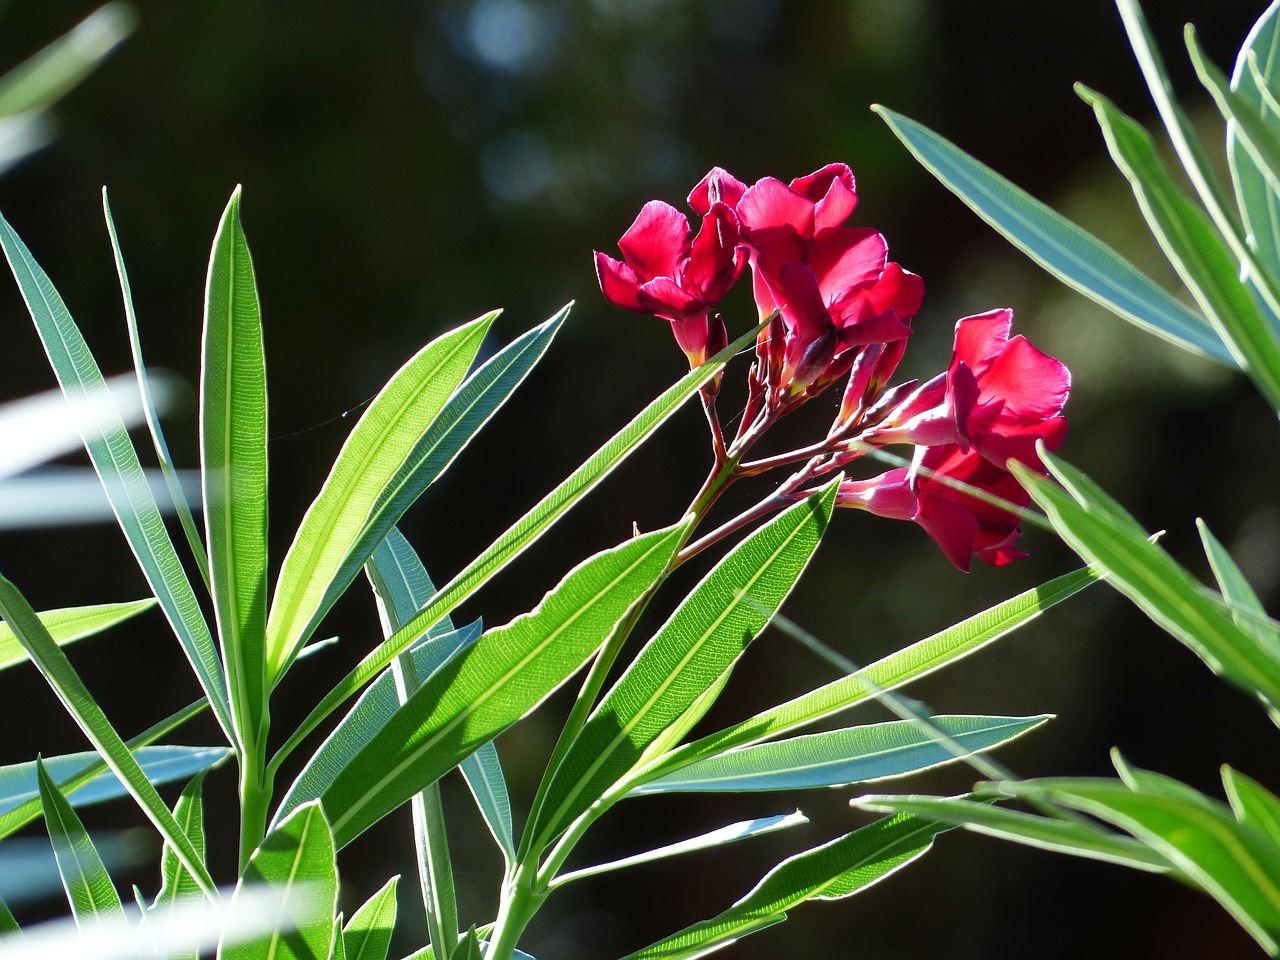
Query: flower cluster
(836, 306)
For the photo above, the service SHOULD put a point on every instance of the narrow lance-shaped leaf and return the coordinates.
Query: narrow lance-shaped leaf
(517, 538)
(116, 462)
(1083, 838)
(1258, 201)
(83, 779)
(1197, 252)
(468, 410)
(1253, 803)
(177, 886)
(377, 447)
(1247, 611)
(504, 676)
(719, 837)
(1069, 253)
(649, 707)
(903, 666)
(403, 587)
(70, 689)
(233, 460)
(1233, 862)
(369, 715)
(876, 751)
(90, 892)
(1098, 528)
(8, 925)
(94, 767)
(296, 861)
(68, 624)
(837, 869)
(367, 935)
(198, 551)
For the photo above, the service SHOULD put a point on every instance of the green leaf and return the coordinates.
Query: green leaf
(367, 936)
(369, 715)
(40, 81)
(161, 764)
(233, 460)
(1099, 529)
(837, 869)
(1247, 610)
(901, 667)
(1066, 251)
(1258, 200)
(518, 537)
(177, 886)
(503, 677)
(403, 587)
(732, 833)
(19, 816)
(68, 624)
(117, 464)
(1080, 838)
(379, 445)
(66, 683)
(8, 925)
(661, 695)
(337, 946)
(1199, 254)
(1234, 863)
(1253, 803)
(875, 751)
(175, 881)
(167, 468)
(296, 861)
(1246, 123)
(468, 947)
(89, 889)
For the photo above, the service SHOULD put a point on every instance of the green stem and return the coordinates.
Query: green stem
(430, 834)
(256, 787)
(521, 897)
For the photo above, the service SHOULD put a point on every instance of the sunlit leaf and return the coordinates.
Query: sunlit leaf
(296, 861)
(653, 704)
(367, 935)
(501, 678)
(89, 889)
(68, 624)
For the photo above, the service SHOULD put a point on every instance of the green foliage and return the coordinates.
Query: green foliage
(70, 624)
(1226, 251)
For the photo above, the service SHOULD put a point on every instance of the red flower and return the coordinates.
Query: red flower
(962, 524)
(999, 394)
(670, 273)
(833, 286)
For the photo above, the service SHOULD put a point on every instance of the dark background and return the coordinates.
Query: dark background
(407, 166)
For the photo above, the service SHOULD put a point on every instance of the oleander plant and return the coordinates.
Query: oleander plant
(834, 316)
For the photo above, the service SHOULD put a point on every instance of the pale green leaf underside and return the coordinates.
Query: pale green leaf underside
(1069, 253)
(903, 666)
(876, 751)
(161, 764)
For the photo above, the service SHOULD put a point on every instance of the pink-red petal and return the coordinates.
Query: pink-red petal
(845, 259)
(981, 337)
(833, 193)
(771, 207)
(657, 242)
(618, 282)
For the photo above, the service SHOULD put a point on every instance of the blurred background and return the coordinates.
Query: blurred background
(409, 165)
